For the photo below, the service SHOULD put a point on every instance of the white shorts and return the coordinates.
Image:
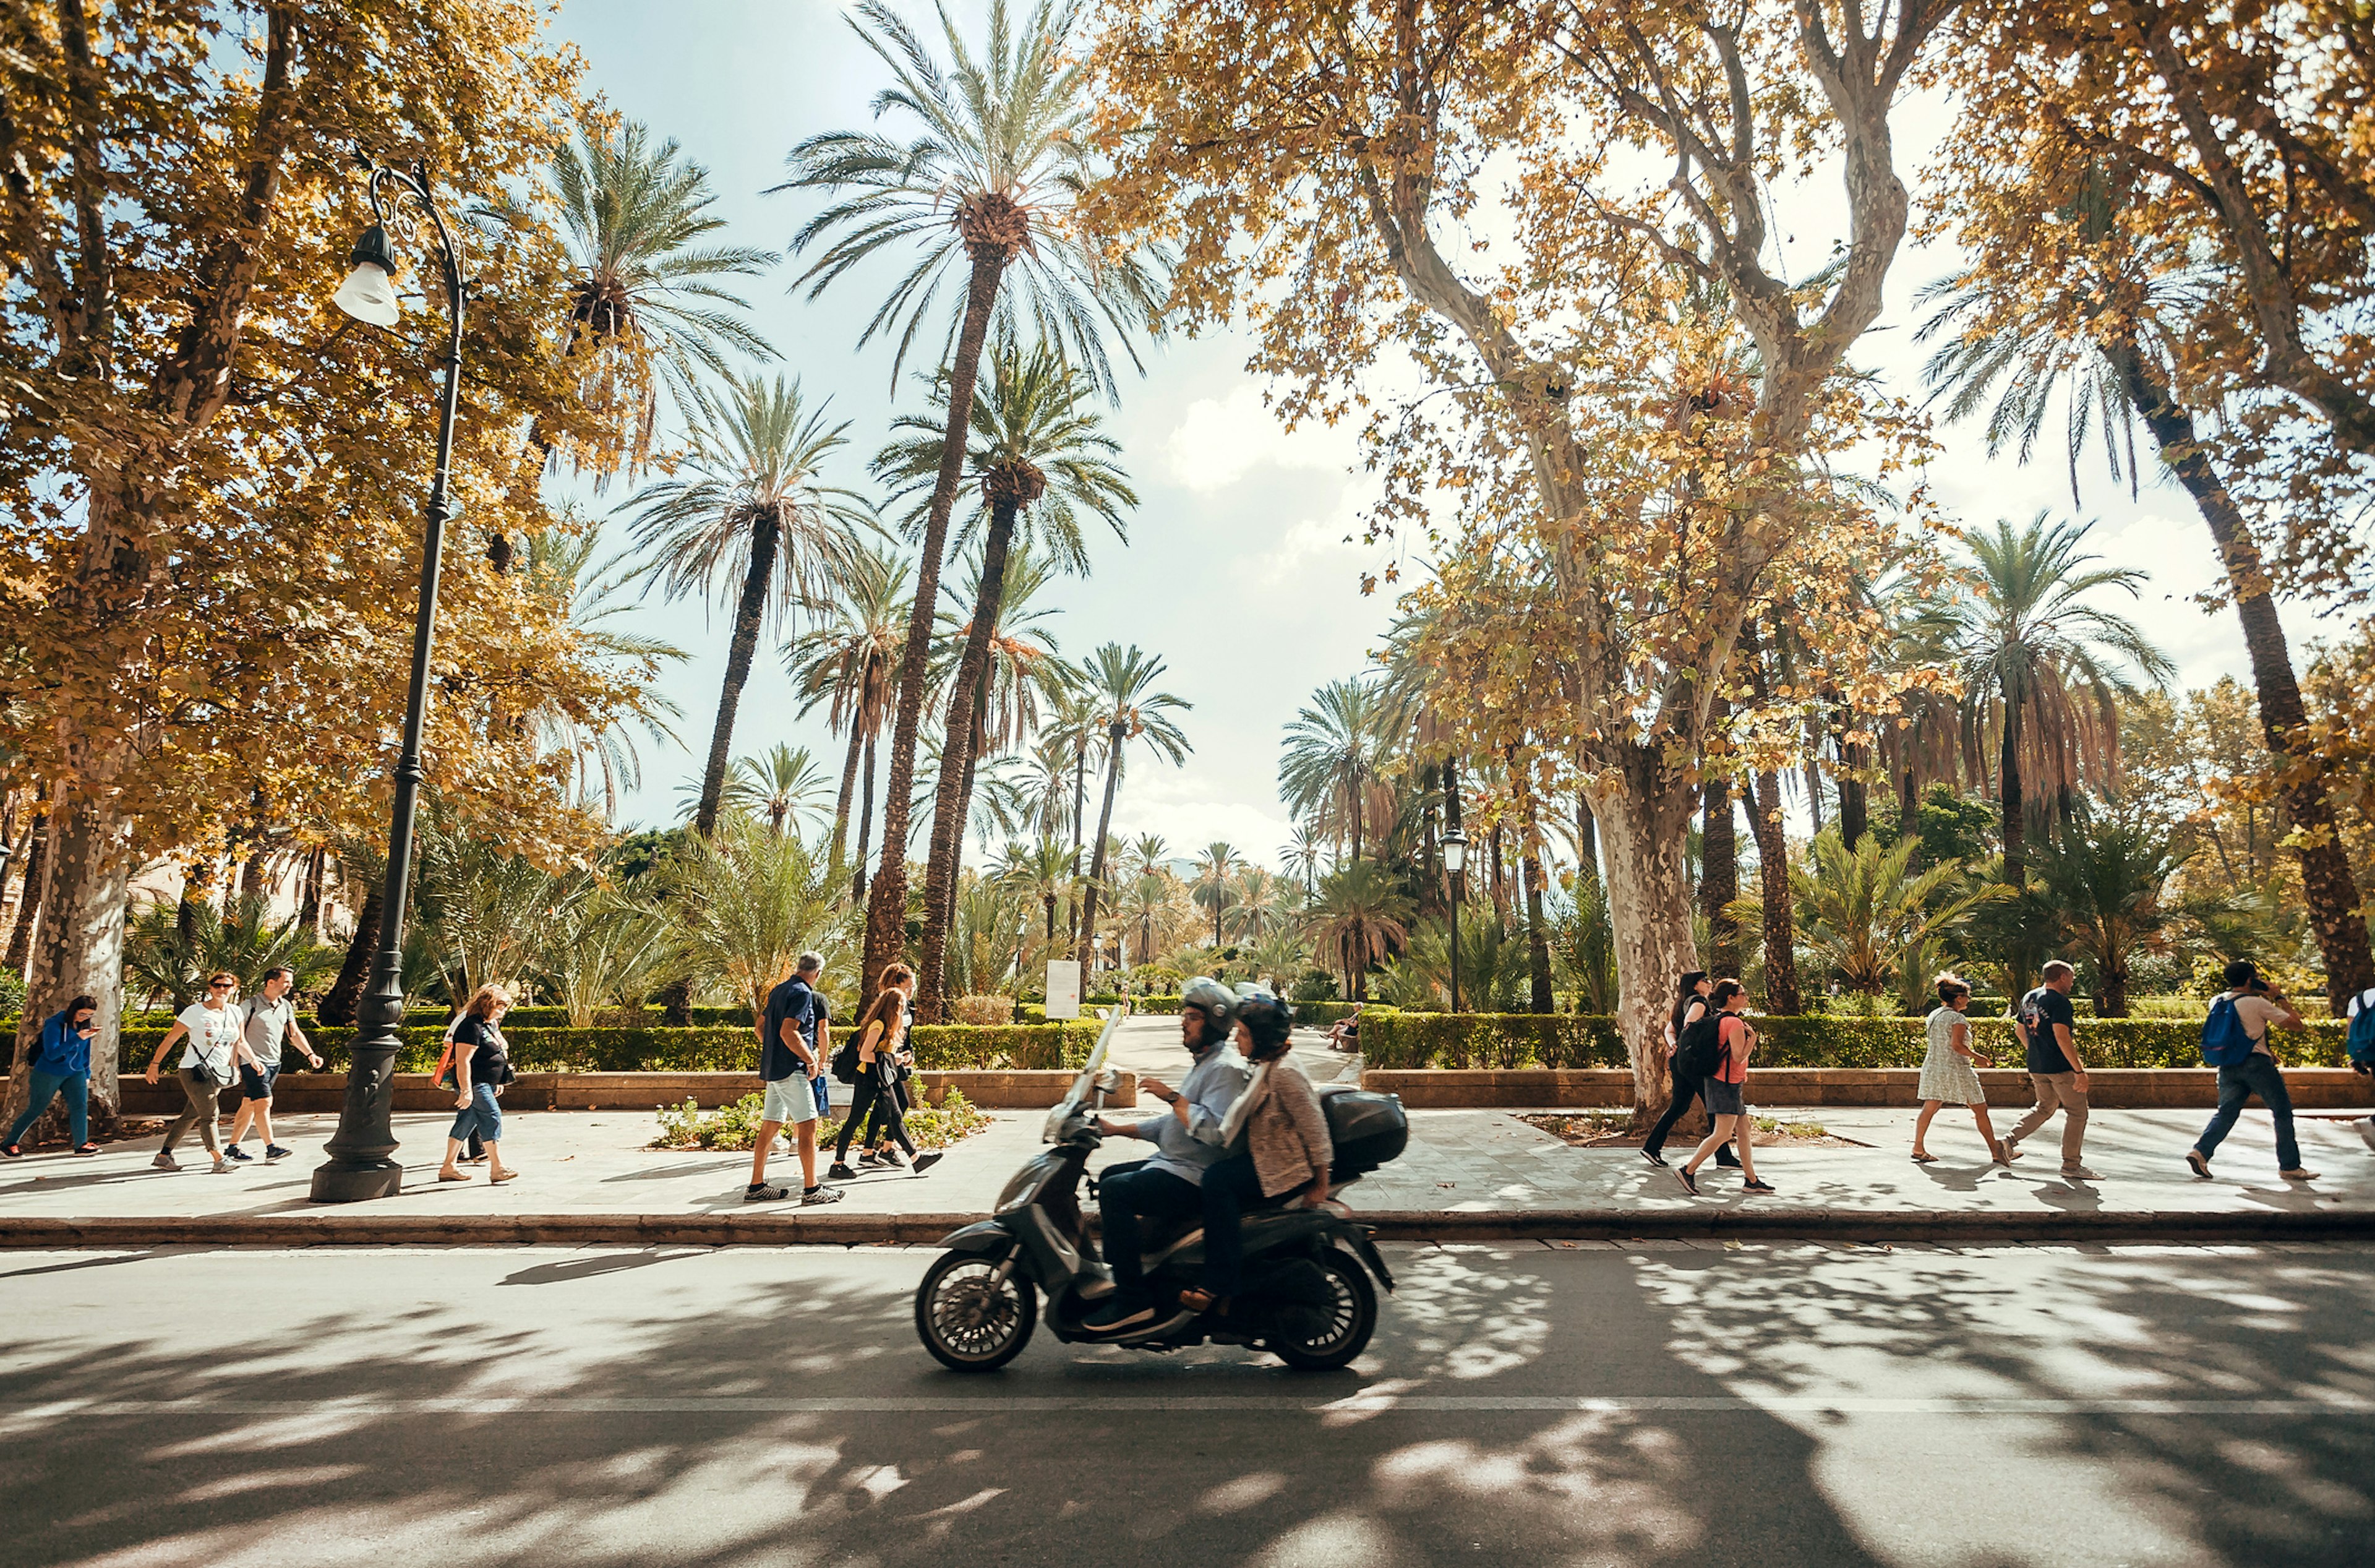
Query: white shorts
(789, 1099)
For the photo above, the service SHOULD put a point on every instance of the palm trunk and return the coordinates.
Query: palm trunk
(766, 541)
(1500, 880)
(1773, 875)
(28, 901)
(1097, 857)
(956, 760)
(864, 829)
(1645, 825)
(1538, 944)
(1855, 814)
(2008, 790)
(1587, 838)
(1719, 876)
(2327, 884)
(886, 906)
(848, 789)
(1909, 818)
(79, 949)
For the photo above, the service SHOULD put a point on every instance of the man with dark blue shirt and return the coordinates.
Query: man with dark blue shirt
(790, 1066)
(2049, 1023)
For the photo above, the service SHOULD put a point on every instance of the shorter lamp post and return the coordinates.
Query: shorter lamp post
(1454, 860)
(361, 1163)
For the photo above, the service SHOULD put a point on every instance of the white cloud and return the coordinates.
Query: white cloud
(1221, 438)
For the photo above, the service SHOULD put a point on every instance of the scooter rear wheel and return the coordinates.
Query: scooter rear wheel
(970, 1319)
(1327, 1335)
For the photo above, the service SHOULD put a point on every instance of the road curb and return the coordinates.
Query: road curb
(795, 1228)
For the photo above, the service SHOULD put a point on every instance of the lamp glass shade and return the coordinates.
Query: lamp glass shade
(1455, 853)
(369, 295)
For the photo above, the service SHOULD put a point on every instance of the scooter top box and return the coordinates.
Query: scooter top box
(1366, 1128)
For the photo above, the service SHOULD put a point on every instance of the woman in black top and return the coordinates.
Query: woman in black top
(481, 1067)
(1690, 1006)
(882, 1036)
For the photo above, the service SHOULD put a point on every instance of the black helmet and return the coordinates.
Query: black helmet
(1265, 1016)
(1215, 1001)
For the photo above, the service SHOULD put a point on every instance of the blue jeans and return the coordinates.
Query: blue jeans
(2256, 1073)
(484, 1117)
(46, 1087)
(1229, 1188)
(1127, 1196)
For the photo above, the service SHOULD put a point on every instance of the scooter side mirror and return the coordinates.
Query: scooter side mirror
(1108, 1080)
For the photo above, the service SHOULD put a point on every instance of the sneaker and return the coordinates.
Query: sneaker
(760, 1192)
(1117, 1314)
(840, 1171)
(1756, 1186)
(2078, 1174)
(820, 1195)
(2298, 1175)
(926, 1162)
(274, 1151)
(221, 1165)
(1726, 1160)
(1653, 1157)
(165, 1161)
(1690, 1183)
(233, 1151)
(2199, 1161)
(873, 1157)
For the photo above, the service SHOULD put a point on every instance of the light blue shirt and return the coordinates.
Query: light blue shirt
(1210, 1087)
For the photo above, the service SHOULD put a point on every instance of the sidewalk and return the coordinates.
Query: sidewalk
(586, 1177)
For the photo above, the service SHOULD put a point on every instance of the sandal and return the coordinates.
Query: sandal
(86, 1149)
(1921, 1158)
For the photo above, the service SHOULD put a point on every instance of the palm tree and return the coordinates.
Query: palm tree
(560, 569)
(1148, 852)
(1215, 886)
(755, 508)
(1150, 895)
(2107, 885)
(744, 904)
(1044, 871)
(1864, 910)
(999, 158)
(1259, 907)
(2028, 648)
(1121, 687)
(851, 662)
(1357, 920)
(781, 786)
(1303, 853)
(641, 294)
(1042, 463)
(1328, 769)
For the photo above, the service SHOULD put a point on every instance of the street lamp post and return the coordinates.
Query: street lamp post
(361, 1164)
(1454, 860)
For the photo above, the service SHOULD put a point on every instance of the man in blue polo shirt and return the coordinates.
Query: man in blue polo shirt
(790, 1066)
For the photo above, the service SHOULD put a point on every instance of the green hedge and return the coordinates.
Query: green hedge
(952, 1047)
(1558, 1040)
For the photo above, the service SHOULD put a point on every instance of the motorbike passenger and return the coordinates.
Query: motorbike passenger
(1278, 1139)
(1187, 1139)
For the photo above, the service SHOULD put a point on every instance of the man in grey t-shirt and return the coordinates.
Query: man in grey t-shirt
(270, 1017)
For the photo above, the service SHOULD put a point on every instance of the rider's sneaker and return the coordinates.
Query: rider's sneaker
(1119, 1313)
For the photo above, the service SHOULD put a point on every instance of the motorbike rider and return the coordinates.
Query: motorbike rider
(1187, 1139)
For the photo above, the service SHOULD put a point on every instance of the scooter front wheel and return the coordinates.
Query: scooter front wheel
(970, 1318)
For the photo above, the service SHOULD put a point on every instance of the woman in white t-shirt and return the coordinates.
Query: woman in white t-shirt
(217, 1034)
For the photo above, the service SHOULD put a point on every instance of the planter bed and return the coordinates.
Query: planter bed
(2114, 1088)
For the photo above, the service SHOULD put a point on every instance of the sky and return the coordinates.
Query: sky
(1241, 569)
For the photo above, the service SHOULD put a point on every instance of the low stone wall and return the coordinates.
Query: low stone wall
(299, 1092)
(2312, 1089)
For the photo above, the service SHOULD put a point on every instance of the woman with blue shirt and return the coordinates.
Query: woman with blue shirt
(61, 1065)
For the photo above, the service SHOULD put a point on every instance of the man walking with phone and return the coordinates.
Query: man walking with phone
(791, 1066)
(2060, 1078)
(2254, 1005)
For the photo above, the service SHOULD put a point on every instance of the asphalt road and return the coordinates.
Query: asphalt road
(1528, 1405)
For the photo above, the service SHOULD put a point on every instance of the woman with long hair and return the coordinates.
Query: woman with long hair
(1946, 1070)
(60, 1064)
(881, 1032)
(1279, 1143)
(1723, 1091)
(482, 1066)
(1690, 1006)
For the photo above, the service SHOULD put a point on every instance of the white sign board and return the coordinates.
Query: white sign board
(1063, 988)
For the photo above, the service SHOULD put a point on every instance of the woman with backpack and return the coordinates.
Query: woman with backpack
(1690, 1006)
(1723, 1089)
(59, 1064)
(1946, 1073)
(482, 1066)
(881, 1034)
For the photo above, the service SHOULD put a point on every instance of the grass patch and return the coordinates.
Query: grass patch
(736, 1126)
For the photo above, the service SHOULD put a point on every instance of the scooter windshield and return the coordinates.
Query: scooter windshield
(1078, 1096)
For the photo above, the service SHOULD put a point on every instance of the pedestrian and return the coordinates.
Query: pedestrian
(210, 1065)
(2249, 1004)
(1277, 1136)
(2358, 1048)
(1947, 1077)
(881, 1033)
(268, 1016)
(482, 1067)
(59, 1064)
(1344, 1034)
(1724, 1088)
(2049, 1024)
(791, 1066)
(1690, 1006)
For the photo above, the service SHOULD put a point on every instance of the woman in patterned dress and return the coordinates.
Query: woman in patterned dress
(1946, 1073)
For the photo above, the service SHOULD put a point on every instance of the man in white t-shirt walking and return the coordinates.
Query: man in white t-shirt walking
(271, 1017)
(2257, 1006)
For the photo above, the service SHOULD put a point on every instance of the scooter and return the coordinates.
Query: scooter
(1307, 1297)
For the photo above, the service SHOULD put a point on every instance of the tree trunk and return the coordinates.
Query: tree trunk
(1538, 944)
(1645, 827)
(79, 949)
(1773, 876)
(1909, 818)
(886, 904)
(1719, 876)
(28, 902)
(1814, 795)
(1097, 857)
(2327, 884)
(2008, 789)
(848, 789)
(766, 541)
(1587, 838)
(1501, 900)
(1855, 815)
(309, 900)
(865, 829)
(960, 741)
(339, 1003)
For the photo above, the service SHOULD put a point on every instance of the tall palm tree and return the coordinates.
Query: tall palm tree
(1303, 853)
(561, 568)
(750, 520)
(643, 295)
(1260, 906)
(1329, 768)
(1150, 895)
(1216, 887)
(2100, 336)
(1148, 852)
(1044, 871)
(1357, 920)
(1122, 686)
(1042, 463)
(781, 786)
(850, 662)
(999, 158)
(2040, 667)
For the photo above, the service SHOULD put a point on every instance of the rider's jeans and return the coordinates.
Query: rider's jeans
(1230, 1187)
(1125, 1198)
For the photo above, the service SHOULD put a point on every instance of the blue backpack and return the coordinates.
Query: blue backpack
(2224, 1041)
(2360, 1042)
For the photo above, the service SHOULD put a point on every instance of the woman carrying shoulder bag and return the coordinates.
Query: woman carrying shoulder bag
(218, 1037)
(881, 1035)
(482, 1065)
(1284, 1145)
(1723, 1091)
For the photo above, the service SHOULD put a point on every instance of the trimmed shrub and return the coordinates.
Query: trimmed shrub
(1391, 1040)
(955, 1047)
